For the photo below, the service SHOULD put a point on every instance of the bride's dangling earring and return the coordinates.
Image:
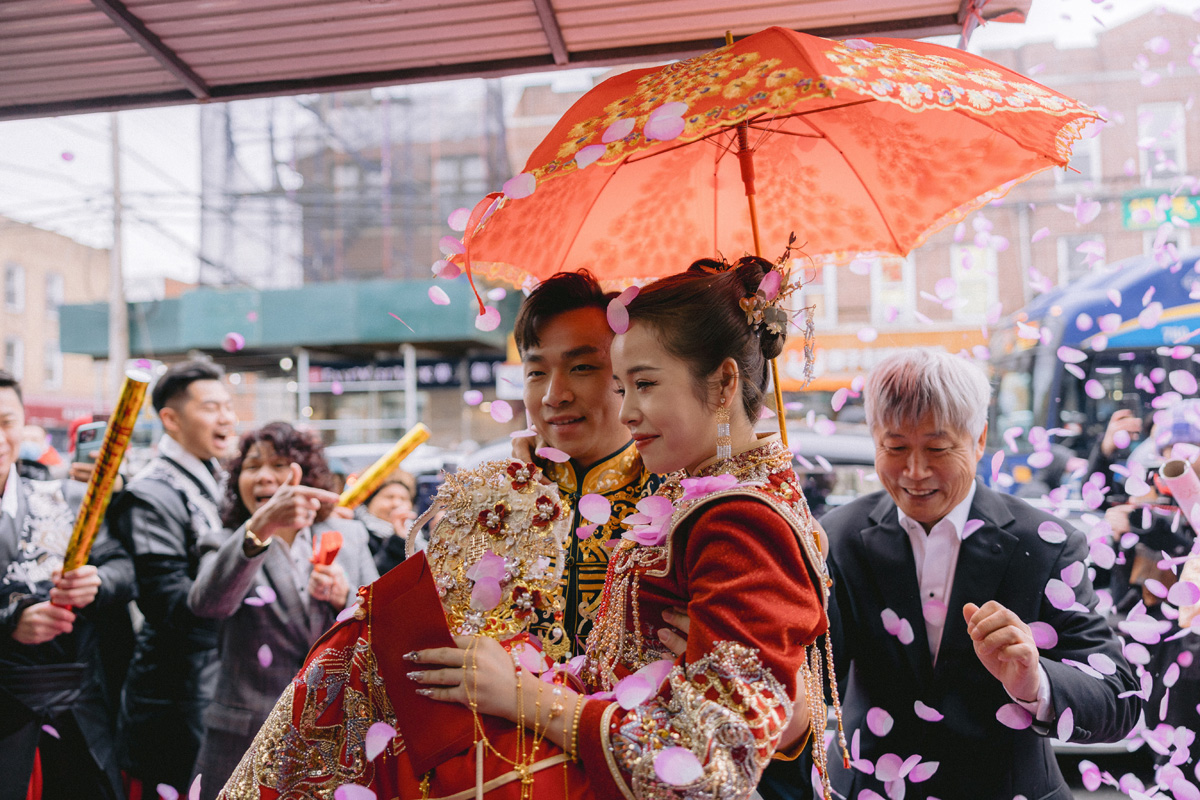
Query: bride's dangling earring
(724, 440)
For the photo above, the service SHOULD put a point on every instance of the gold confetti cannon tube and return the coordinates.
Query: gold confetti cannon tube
(386, 465)
(108, 459)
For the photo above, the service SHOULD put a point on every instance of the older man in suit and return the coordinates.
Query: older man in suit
(936, 583)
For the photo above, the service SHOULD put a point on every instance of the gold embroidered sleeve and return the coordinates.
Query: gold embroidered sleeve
(726, 708)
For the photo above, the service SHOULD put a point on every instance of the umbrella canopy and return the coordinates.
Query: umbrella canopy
(861, 146)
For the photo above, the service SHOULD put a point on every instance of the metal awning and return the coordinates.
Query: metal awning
(73, 56)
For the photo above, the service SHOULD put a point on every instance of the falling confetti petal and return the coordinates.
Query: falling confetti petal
(618, 130)
(867, 335)
(438, 295)
(501, 411)
(1184, 593)
(923, 771)
(472, 397)
(934, 612)
(1102, 664)
(352, 791)
(1182, 381)
(378, 737)
(1013, 716)
(1073, 573)
(595, 508)
(891, 621)
(1060, 595)
(887, 767)
(926, 713)
(586, 531)
(520, 186)
(945, 288)
(626, 297)
(166, 792)
(879, 722)
(905, 635)
(1040, 234)
(656, 507)
(1086, 211)
(664, 128)
(458, 219)
(523, 434)
(497, 294)
(265, 656)
(1052, 532)
(194, 789)
(632, 690)
(51, 730)
(1041, 459)
(677, 766)
(552, 454)
(405, 324)
(590, 155)
(233, 342)
(1094, 389)
(451, 245)
(489, 320)
(618, 316)
(839, 399)
(1066, 725)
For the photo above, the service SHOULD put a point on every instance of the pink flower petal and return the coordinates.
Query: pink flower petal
(458, 219)
(1066, 725)
(771, 283)
(489, 567)
(233, 342)
(489, 320)
(887, 767)
(923, 771)
(1155, 587)
(618, 130)
(632, 691)
(1109, 323)
(825, 427)
(664, 128)
(879, 722)
(1040, 459)
(1071, 356)
(891, 621)
(867, 335)
(166, 792)
(673, 109)
(523, 434)
(905, 634)
(1159, 45)
(1072, 574)
(656, 507)
(1044, 635)
(352, 791)
(486, 594)
(552, 454)
(626, 297)
(472, 397)
(926, 713)
(194, 789)
(520, 186)
(1182, 381)
(595, 508)
(677, 766)
(52, 731)
(934, 612)
(839, 398)
(1136, 653)
(438, 296)
(1094, 389)
(618, 316)
(945, 288)
(451, 245)
(972, 525)
(379, 735)
(1171, 676)
(347, 612)
(1184, 593)
(446, 270)
(657, 671)
(1060, 595)
(1102, 664)
(1013, 716)
(589, 155)
(501, 411)
(1086, 211)
(586, 531)
(266, 594)
(1039, 234)
(265, 656)
(497, 293)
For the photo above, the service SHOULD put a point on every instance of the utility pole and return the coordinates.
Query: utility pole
(118, 317)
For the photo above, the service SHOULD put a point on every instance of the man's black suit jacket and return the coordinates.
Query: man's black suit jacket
(1006, 560)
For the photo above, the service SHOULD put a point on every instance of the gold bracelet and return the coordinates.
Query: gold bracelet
(574, 750)
(253, 542)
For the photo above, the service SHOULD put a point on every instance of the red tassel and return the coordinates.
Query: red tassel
(473, 222)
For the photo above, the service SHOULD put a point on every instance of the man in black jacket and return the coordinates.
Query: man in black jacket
(55, 719)
(937, 582)
(160, 518)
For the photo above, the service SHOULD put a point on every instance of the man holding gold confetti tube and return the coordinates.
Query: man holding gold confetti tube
(165, 511)
(55, 719)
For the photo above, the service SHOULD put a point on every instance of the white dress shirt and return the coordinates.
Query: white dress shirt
(12, 485)
(936, 557)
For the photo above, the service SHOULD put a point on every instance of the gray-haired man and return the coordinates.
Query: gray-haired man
(936, 583)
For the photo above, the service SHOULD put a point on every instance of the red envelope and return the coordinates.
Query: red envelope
(327, 548)
(407, 615)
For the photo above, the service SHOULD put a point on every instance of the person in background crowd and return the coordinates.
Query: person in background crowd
(386, 514)
(258, 578)
(160, 519)
(56, 738)
(961, 572)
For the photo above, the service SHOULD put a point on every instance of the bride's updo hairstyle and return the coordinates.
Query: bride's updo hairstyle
(698, 318)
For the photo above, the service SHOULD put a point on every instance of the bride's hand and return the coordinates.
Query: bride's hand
(490, 677)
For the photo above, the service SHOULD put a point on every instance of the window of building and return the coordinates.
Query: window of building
(1161, 138)
(14, 287)
(820, 291)
(893, 290)
(459, 181)
(14, 356)
(54, 294)
(1073, 253)
(1084, 166)
(974, 272)
(52, 366)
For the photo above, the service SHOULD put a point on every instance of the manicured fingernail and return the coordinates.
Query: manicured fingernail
(410, 656)
(416, 675)
(425, 692)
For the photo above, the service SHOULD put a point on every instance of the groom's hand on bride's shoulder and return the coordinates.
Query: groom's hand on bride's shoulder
(675, 636)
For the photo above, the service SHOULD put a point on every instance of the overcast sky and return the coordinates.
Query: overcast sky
(56, 173)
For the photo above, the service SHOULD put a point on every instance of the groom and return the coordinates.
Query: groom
(563, 336)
